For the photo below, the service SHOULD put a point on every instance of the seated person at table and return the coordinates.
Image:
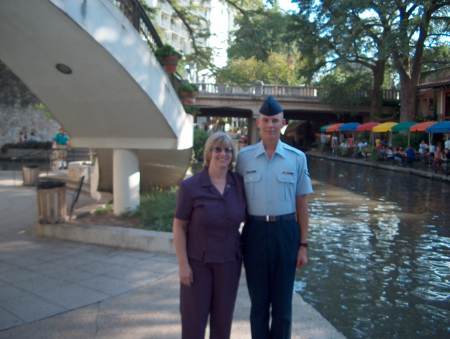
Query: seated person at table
(410, 155)
(389, 154)
(399, 155)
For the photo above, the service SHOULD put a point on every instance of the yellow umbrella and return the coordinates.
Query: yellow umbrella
(384, 127)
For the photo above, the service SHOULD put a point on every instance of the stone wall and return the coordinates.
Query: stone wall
(20, 110)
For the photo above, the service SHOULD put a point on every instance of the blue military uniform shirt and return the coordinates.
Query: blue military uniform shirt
(271, 185)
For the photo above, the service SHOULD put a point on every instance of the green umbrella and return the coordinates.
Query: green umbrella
(404, 126)
(323, 129)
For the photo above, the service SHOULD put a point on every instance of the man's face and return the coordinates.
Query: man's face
(270, 126)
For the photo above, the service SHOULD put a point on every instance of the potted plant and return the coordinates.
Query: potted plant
(168, 57)
(187, 92)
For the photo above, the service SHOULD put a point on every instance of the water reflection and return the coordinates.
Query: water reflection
(380, 254)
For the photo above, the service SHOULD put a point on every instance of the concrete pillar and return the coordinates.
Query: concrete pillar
(126, 181)
(253, 136)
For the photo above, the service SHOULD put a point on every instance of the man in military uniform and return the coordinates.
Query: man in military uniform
(274, 239)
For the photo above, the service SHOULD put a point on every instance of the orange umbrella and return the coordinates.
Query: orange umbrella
(366, 127)
(333, 128)
(422, 126)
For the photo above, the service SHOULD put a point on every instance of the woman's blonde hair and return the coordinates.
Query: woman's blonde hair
(217, 139)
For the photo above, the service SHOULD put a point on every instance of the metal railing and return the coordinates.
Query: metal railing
(136, 14)
(277, 90)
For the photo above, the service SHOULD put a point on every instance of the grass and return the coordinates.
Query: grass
(157, 209)
(105, 209)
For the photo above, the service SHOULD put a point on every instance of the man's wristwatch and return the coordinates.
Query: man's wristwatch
(303, 244)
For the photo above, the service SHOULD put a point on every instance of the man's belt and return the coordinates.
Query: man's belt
(273, 218)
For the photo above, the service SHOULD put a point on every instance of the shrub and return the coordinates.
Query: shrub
(200, 137)
(165, 51)
(157, 209)
(187, 87)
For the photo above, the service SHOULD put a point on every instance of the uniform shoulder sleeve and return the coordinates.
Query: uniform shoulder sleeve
(304, 185)
(184, 204)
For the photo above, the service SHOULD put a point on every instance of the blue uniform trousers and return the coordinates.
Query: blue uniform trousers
(270, 255)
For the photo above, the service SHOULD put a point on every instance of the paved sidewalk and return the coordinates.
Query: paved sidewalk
(59, 289)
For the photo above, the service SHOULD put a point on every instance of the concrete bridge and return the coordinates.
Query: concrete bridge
(299, 103)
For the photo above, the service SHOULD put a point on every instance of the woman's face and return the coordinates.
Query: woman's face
(221, 155)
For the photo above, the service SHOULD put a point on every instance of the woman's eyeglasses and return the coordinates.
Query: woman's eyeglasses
(219, 149)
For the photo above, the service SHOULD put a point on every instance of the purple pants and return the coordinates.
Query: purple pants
(213, 293)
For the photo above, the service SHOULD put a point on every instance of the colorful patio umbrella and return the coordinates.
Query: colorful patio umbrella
(349, 127)
(333, 128)
(422, 126)
(384, 127)
(366, 127)
(440, 127)
(323, 129)
(403, 126)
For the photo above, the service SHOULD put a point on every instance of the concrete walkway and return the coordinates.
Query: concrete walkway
(59, 289)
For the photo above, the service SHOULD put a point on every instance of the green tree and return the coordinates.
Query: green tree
(345, 32)
(190, 15)
(417, 24)
(369, 32)
(346, 85)
(260, 32)
(436, 57)
(277, 69)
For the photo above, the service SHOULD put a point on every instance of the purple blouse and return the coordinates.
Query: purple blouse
(213, 219)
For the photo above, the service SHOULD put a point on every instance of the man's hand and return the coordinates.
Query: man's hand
(186, 276)
(302, 257)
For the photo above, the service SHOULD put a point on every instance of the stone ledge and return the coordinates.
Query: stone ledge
(408, 170)
(121, 237)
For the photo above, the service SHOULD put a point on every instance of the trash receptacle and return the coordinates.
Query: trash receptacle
(30, 174)
(51, 199)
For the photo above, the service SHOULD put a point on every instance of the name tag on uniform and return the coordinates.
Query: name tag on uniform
(251, 171)
(288, 173)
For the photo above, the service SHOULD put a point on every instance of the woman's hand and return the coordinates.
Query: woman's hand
(186, 276)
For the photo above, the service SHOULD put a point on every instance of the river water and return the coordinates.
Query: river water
(379, 252)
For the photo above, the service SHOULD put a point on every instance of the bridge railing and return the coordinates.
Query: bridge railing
(263, 90)
(277, 90)
(136, 14)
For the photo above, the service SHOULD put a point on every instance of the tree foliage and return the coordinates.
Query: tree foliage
(345, 32)
(371, 33)
(260, 32)
(346, 85)
(198, 30)
(417, 24)
(276, 69)
(265, 31)
(436, 57)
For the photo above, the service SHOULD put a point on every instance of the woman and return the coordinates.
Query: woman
(210, 209)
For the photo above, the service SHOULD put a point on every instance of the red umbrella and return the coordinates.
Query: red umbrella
(333, 128)
(367, 127)
(422, 126)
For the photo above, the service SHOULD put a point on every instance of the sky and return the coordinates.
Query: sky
(287, 5)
